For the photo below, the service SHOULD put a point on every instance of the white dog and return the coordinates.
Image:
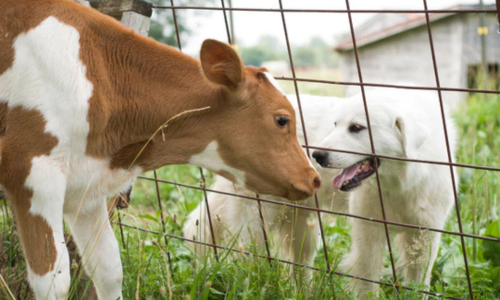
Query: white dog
(293, 232)
(405, 124)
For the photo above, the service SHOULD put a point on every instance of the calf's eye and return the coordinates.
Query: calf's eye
(354, 128)
(281, 121)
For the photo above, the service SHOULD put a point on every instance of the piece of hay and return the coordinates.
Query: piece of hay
(164, 125)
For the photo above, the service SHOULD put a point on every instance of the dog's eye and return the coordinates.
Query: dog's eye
(354, 128)
(281, 121)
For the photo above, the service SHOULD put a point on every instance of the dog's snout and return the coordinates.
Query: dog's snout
(321, 157)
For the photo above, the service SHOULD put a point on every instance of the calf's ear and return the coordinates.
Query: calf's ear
(221, 64)
(413, 135)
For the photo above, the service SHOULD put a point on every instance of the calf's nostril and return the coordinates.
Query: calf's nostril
(317, 182)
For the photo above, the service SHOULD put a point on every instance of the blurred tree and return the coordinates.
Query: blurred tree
(325, 55)
(267, 49)
(316, 54)
(305, 56)
(272, 42)
(162, 22)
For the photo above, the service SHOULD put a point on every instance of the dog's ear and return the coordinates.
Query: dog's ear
(413, 136)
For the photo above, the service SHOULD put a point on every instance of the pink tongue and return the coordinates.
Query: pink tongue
(345, 174)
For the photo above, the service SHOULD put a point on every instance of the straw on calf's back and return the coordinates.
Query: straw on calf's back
(80, 95)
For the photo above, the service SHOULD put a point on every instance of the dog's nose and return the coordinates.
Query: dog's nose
(321, 157)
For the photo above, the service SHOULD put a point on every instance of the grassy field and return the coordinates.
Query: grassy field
(149, 275)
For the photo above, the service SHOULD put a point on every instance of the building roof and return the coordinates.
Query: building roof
(385, 25)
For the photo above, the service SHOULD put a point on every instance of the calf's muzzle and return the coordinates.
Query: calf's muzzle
(306, 187)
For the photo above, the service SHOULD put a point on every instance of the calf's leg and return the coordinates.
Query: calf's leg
(98, 247)
(37, 202)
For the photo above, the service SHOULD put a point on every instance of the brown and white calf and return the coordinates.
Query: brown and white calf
(79, 97)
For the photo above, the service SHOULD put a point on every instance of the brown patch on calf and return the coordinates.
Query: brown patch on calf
(4, 110)
(6, 51)
(138, 84)
(6, 41)
(23, 140)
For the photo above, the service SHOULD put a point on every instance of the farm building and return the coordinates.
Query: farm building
(394, 49)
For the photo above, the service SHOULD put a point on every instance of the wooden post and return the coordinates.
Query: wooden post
(135, 14)
(83, 2)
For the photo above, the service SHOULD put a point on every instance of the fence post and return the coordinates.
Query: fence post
(498, 15)
(135, 14)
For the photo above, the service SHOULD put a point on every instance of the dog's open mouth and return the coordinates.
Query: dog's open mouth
(352, 176)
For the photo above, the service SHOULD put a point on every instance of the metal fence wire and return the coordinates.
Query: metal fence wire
(438, 88)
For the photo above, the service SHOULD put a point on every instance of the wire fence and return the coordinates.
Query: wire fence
(362, 85)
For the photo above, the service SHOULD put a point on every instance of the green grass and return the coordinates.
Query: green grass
(479, 132)
(148, 275)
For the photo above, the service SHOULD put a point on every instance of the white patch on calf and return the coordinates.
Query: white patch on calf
(48, 184)
(46, 287)
(273, 82)
(92, 180)
(210, 159)
(61, 92)
(47, 75)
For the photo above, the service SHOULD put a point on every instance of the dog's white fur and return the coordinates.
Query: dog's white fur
(293, 232)
(404, 124)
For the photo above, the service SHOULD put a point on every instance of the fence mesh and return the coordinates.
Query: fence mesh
(438, 88)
